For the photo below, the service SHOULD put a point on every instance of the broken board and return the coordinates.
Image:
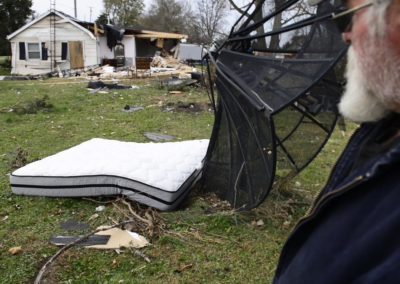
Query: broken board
(76, 54)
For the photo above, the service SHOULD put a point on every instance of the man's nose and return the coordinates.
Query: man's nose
(346, 36)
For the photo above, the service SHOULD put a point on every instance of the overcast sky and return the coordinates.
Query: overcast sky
(84, 7)
(67, 6)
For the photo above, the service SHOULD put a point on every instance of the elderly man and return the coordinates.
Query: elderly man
(352, 234)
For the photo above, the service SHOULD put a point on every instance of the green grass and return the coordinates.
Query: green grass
(4, 69)
(227, 249)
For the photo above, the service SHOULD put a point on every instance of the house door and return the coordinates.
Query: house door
(76, 54)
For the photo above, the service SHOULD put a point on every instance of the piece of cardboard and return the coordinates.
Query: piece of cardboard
(121, 238)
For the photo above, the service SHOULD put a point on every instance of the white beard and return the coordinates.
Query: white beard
(359, 103)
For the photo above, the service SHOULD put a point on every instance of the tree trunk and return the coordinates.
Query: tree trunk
(274, 44)
(260, 44)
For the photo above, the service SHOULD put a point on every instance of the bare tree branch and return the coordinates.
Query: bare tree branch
(237, 8)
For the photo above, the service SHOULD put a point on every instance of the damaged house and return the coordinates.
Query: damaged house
(56, 41)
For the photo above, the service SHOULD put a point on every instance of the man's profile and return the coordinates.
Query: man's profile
(352, 232)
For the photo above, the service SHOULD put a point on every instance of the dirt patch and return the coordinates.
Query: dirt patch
(17, 159)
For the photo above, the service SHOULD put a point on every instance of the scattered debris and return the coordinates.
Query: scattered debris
(90, 241)
(4, 218)
(149, 222)
(100, 208)
(72, 225)
(99, 85)
(119, 238)
(197, 76)
(187, 107)
(287, 224)
(259, 223)
(142, 255)
(177, 84)
(215, 203)
(159, 62)
(160, 70)
(15, 250)
(175, 93)
(64, 248)
(129, 108)
(94, 216)
(157, 137)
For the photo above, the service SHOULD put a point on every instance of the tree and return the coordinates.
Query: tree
(167, 16)
(210, 19)
(102, 19)
(203, 25)
(13, 14)
(124, 12)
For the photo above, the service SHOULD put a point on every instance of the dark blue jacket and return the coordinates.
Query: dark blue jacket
(352, 234)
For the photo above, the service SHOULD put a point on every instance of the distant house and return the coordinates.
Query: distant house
(56, 41)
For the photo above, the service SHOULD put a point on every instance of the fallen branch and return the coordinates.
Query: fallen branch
(148, 222)
(66, 247)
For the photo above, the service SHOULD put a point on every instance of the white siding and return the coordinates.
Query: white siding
(130, 49)
(40, 32)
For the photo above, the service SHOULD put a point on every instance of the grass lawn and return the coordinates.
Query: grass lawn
(201, 243)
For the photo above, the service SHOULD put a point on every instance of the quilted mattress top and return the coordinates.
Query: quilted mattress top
(162, 165)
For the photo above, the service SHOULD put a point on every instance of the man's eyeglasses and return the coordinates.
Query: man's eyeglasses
(344, 19)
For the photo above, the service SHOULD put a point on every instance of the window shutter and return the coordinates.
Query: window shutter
(64, 50)
(22, 53)
(45, 54)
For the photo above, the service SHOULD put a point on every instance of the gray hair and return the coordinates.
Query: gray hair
(376, 17)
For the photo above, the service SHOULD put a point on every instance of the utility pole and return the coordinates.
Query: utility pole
(76, 11)
(90, 8)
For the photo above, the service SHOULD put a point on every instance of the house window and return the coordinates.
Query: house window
(33, 50)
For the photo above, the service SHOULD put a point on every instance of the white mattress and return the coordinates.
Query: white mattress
(156, 174)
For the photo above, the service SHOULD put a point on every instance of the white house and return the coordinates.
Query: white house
(58, 41)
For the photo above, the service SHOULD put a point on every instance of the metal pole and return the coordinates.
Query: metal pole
(76, 12)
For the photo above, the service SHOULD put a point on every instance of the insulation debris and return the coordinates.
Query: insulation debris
(121, 238)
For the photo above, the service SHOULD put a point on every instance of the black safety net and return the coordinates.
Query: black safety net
(275, 83)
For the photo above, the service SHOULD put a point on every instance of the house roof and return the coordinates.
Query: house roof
(71, 20)
(89, 28)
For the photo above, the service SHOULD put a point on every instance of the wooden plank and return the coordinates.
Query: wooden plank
(76, 54)
(158, 35)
